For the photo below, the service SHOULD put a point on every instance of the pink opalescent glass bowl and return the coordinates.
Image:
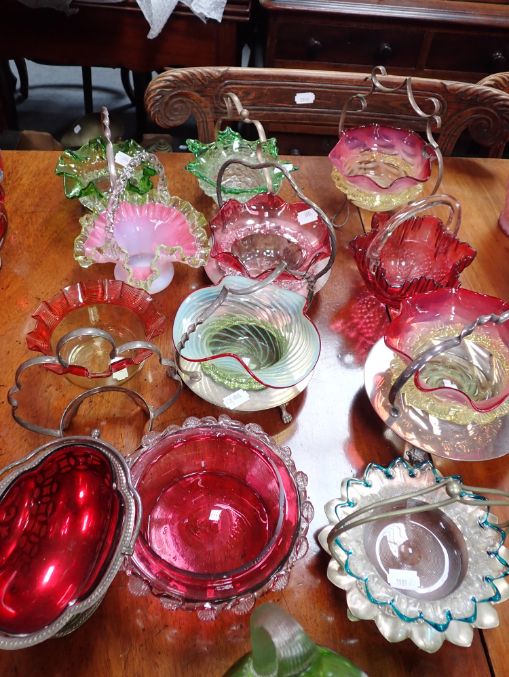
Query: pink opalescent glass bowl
(379, 168)
(224, 515)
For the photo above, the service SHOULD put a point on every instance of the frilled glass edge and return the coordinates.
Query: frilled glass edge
(139, 585)
(346, 555)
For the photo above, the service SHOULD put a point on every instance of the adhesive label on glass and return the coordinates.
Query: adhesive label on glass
(235, 399)
(287, 165)
(122, 159)
(77, 129)
(305, 97)
(307, 216)
(404, 579)
(120, 375)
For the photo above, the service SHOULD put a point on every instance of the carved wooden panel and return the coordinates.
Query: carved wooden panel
(271, 95)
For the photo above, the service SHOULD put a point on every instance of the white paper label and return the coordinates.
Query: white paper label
(305, 97)
(404, 579)
(77, 129)
(122, 159)
(287, 166)
(307, 216)
(121, 374)
(235, 399)
(215, 515)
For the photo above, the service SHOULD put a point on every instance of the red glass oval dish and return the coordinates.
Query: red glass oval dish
(64, 520)
(222, 514)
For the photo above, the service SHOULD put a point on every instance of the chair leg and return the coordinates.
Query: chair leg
(140, 81)
(125, 77)
(21, 67)
(87, 89)
(8, 113)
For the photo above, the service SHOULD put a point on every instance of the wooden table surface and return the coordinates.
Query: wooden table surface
(334, 434)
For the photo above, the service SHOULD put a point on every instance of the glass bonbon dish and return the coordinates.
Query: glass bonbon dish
(380, 168)
(440, 376)
(418, 553)
(406, 253)
(87, 177)
(143, 240)
(239, 183)
(124, 312)
(245, 346)
(225, 516)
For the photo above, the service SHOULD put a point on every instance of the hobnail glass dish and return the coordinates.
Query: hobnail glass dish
(404, 254)
(239, 182)
(146, 240)
(69, 514)
(225, 516)
(251, 239)
(86, 176)
(380, 168)
(456, 404)
(249, 343)
(126, 313)
(428, 576)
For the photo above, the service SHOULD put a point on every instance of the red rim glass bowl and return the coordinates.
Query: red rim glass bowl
(225, 516)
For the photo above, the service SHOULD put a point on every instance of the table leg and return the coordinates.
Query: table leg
(8, 113)
(88, 97)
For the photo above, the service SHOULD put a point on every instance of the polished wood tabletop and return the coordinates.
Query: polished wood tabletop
(333, 435)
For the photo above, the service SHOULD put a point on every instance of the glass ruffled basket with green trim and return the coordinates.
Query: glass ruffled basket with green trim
(87, 178)
(239, 182)
(427, 574)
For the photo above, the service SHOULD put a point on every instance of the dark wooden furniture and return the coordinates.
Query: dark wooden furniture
(432, 38)
(271, 95)
(116, 36)
(335, 432)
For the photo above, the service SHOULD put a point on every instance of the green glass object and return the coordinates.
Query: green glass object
(281, 648)
(240, 183)
(86, 176)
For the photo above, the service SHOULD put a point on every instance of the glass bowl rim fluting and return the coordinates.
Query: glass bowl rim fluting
(50, 312)
(416, 306)
(238, 282)
(337, 508)
(392, 295)
(235, 209)
(365, 182)
(127, 531)
(252, 437)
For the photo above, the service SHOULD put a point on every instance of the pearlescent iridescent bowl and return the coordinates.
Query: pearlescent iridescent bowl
(428, 576)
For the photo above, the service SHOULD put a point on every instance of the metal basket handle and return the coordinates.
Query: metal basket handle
(408, 211)
(447, 344)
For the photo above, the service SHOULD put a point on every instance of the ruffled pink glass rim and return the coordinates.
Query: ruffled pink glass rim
(447, 255)
(50, 313)
(236, 220)
(444, 307)
(404, 143)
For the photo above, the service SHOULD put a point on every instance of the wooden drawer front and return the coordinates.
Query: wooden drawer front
(311, 42)
(476, 53)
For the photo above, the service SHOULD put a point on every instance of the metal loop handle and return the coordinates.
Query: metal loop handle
(79, 333)
(408, 211)
(447, 344)
(330, 227)
(433, 118)
(457, 492)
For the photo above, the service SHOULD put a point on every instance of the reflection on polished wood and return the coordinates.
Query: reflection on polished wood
(333, 435)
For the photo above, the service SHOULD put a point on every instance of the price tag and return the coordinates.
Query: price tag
(77, 129)
(287, 166)
(235, 399)
(307, 216)
(305, 97)
(121, 374)
(215, 515)
(122, 159)
(404, 579)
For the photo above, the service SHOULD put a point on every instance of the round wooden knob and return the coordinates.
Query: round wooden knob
(498, 60)
(384, 50)
(314, 46)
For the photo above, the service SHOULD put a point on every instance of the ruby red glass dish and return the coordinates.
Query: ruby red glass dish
(419, 256)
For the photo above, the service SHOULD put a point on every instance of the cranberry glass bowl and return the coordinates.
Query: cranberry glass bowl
(225, 516)
(69, 516)
(379, 168)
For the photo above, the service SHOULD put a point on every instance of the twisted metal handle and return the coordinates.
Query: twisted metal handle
(447, 344)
